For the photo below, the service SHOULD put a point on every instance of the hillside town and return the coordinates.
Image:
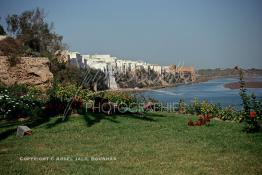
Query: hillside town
(111, 65)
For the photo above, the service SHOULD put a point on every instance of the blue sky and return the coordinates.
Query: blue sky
(201, 33)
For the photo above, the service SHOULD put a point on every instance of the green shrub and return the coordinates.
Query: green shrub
(17, 104)
(119, 97)
(62, 95)
(196, 106)
(256, 106)
(230, 113)
(67, 93)
(206, 108)
(181, 107)
(213, 110)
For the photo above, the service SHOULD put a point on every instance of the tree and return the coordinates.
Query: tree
(2, 30)
(249, 111)
(12, 49)
(34, 33)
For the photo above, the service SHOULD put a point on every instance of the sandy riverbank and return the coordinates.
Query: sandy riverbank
(141, 89)
(199, 80)
(151, 88)
(236, 85)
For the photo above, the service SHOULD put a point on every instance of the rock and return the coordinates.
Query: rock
(23, 119)
(2, 37)
(31, 71)
(23, 130)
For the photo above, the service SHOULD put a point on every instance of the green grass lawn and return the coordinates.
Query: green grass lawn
(159, 143)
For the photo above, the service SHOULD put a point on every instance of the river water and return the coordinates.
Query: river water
(213, 91)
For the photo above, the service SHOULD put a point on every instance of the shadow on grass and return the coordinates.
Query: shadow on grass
(10, 124)
(58, 121)
(7, 133)
(90, 119)
(93, 118)
(140, 117)
(30, 124)
(155, 114)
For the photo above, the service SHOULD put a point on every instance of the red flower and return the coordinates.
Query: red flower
(252, 114)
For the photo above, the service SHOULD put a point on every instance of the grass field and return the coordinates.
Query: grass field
(158, 143)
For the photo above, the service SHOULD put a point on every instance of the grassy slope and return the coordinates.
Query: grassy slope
(161, 143)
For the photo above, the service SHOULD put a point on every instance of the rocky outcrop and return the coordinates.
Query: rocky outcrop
(30, 71)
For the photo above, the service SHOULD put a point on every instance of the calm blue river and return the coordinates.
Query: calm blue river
(213, 91)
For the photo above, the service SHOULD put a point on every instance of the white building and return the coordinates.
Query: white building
(107, 63)
(157, 68)
(77, 59)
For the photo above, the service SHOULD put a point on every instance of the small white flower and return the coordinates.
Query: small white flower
(13, 106)
(9, 110)
(17, 103)
(5, 90)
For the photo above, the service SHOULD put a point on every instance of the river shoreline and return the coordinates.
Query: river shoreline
(236, 85)
(233, 85)
(199, 80)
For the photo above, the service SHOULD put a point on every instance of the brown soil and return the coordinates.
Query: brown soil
(236, 85)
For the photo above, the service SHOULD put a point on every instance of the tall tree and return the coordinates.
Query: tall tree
(2, 30)
(35, 34)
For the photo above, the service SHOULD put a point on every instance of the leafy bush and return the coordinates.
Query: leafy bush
(181, 106)
(119, 97)
(61, 96)
(206, 108)
(213, 110)
(256, 106)
(196, 107)
(203, 108)
(229, 113)
(17, 104)
(155, 105)
(67, 93)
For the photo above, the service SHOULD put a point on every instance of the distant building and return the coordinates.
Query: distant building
(188, 72)
(183, 72)
(76, 59)
(155, 67)
(109, 64)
